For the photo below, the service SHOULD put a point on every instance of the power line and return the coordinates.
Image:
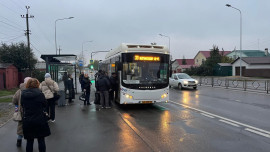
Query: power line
(20, 26)
(17, 5)
(36, 48)
(10, 9)
(13, 39)
(10, 37)
(43, 34)
(11, 25)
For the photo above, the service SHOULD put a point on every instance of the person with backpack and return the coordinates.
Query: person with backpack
(103, 87)
(48, 88)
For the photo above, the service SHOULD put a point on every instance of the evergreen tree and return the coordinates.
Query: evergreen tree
(18, 54)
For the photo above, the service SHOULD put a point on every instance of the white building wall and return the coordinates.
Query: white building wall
(244, 64)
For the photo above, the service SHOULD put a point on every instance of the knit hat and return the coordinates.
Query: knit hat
(47, 75)
(26, 79)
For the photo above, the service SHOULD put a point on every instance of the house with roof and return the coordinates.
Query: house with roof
(179, 66)
(201, 56)
(248, 53)
(8, 76)
(252, 67)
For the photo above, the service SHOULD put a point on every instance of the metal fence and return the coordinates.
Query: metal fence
(246, 84)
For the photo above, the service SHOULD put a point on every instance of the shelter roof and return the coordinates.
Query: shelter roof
(59, 59)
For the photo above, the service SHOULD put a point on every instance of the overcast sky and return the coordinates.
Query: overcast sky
(192, 25)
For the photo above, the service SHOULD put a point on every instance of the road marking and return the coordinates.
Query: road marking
(226, 119)
(257, 132)
(227, 122)
(206, 115)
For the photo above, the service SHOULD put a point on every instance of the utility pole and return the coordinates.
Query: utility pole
(27, 32)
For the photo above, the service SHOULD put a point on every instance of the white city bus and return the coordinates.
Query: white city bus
(143, 73)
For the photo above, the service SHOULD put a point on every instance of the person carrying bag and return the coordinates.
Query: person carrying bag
(50, 88)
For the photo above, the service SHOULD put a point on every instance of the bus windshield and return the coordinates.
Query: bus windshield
(145, 69)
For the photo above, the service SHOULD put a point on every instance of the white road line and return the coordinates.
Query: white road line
(257, 132)
(220, 117)
(227, 122)
(206, 115)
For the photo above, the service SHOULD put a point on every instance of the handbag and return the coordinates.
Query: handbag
(17, 116)
(56, 96)
(82, 97)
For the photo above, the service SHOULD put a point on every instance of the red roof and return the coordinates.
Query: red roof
(188, 61)
(207, 53)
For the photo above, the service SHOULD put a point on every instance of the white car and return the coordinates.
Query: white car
(182, 80)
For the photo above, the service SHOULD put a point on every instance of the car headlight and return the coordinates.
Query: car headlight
(185, 82)
(196, 81)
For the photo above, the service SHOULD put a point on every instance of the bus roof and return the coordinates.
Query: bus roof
(127, 47)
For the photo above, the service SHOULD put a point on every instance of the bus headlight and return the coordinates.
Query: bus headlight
(129, 96)
(164, 95)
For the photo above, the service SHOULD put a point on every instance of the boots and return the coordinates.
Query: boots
(19, 142)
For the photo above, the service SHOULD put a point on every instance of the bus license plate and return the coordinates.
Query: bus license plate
(147, 102)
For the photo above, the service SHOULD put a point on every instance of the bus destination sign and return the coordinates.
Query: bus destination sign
(146, 58)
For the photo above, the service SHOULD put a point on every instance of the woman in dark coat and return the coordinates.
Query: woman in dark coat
(86, 85)
(35, 123)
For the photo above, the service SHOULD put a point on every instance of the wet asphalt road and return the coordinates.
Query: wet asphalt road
(160, 127)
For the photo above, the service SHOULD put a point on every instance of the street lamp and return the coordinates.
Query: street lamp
(228, 5)
(169, 40)
(55, 30)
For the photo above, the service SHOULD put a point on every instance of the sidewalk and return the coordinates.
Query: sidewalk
(80, 128)
(9, 96)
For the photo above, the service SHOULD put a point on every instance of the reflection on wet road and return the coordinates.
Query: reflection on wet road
(172, 127)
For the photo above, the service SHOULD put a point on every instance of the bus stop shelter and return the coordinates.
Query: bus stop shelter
(57, 64)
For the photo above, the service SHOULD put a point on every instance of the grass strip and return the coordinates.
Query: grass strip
(7, 92)
(2, 100)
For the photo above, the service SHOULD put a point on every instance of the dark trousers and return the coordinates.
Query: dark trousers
(51, 108)
(87, 97)
(41, 145)
(113, 95)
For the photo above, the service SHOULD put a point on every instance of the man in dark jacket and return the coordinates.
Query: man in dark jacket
(35, 123)
(70, 87)
(86, 85)
(114, 88)
(103, 86)
(80, 79)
